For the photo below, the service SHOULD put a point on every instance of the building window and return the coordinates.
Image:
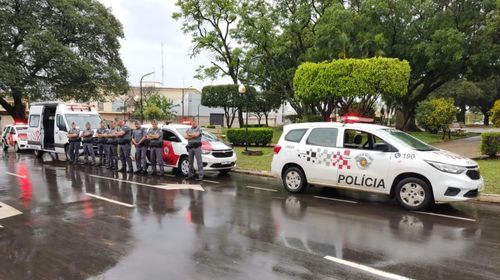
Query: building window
(100, 106)
(118, 106)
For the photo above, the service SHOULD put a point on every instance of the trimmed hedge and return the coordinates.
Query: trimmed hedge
(490, 143)
(256, 136)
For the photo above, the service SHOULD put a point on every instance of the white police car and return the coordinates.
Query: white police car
(373, 158)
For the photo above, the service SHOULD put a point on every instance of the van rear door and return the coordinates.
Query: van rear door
(34, 131)
(60, 133)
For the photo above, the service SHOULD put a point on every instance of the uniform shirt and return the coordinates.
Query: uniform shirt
(112, 139)
(138, 134)
(128, 134)
(74, 131)
(157, 131)
(194, 130)
(87, 134)
(101, 130)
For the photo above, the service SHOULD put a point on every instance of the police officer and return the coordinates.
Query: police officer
(155, 137)
(112, 158)
(138, 139)
(101, 143)
(124, 136)
(88, 144)
(74, 143)
(193, 135)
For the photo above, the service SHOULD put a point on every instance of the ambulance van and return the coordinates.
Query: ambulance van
(49, 123)
(373, 158)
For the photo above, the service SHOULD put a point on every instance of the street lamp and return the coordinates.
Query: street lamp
(140, 86)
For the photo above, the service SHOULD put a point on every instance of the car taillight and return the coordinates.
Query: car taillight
(23, 136)
(277, 149)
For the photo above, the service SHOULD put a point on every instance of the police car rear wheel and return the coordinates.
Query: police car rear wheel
(184, 166)
(413, 194)
(294, 180)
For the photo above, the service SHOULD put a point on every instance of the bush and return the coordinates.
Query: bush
(436, 114)
(256, 125)
(256, 136)
(211, 126)
(495, 114)
(490, 143)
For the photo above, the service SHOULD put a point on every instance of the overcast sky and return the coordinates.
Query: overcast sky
(146, 24)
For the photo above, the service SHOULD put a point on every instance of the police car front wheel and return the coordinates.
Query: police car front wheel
(294, 180)
(414, 194)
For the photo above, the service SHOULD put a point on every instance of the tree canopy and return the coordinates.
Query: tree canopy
(352, 79)
(225, 96)
(64, 49)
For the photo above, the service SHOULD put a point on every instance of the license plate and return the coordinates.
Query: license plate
(226, 163)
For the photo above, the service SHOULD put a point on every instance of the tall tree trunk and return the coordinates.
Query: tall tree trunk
(240, 117)
(486, 118)
(461, 114)
(18, 110)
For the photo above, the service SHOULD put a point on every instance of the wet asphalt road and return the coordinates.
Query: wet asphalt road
(227, 231)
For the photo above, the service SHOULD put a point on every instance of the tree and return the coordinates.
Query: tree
(491, 92)
(436, 114)
(440, 39)
(225, 96)
(465, 94)
(263, 103)
(495, 113)
(156, 107)
(359, 82)
(58, 50)
(212, 25)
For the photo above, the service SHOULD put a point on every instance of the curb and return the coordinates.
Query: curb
(490, 198)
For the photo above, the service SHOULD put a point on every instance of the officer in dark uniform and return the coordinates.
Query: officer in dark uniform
(88, 144)
(102, 146)
(139, 139)
(112, 158)
(74, 143)
(124, 136)
(155, 137)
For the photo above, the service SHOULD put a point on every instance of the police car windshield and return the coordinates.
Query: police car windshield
(205, 136)
(409, 140)
(81, 119)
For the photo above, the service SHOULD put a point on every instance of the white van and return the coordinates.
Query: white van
(49, 122)
(373, 158)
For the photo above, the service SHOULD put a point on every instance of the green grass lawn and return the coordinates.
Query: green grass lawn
(490, 171)
(258, 163)
(430, 138)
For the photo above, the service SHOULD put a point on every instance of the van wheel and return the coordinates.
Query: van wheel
(294, 180)
(414, 194)
(38, 153)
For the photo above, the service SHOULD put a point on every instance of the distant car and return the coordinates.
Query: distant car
(15, 136)
(216, 155)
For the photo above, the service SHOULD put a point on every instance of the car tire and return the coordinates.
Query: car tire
(414, 194)
(183, 166)
(38, 153)
(294, 180)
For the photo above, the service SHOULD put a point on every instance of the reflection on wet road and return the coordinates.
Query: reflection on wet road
(82, 222)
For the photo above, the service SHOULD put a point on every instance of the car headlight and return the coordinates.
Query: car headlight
(448, 168)
(205, 152)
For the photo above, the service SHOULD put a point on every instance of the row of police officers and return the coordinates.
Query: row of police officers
(114, 145)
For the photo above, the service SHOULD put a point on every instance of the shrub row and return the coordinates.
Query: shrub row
(490, 143)
(256, 136)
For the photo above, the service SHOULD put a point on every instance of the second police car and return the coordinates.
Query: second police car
(216, 155)
(373, 158)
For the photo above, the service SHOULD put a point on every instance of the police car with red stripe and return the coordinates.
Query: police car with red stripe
(15, 136)
(373, 158)
(216, 155)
